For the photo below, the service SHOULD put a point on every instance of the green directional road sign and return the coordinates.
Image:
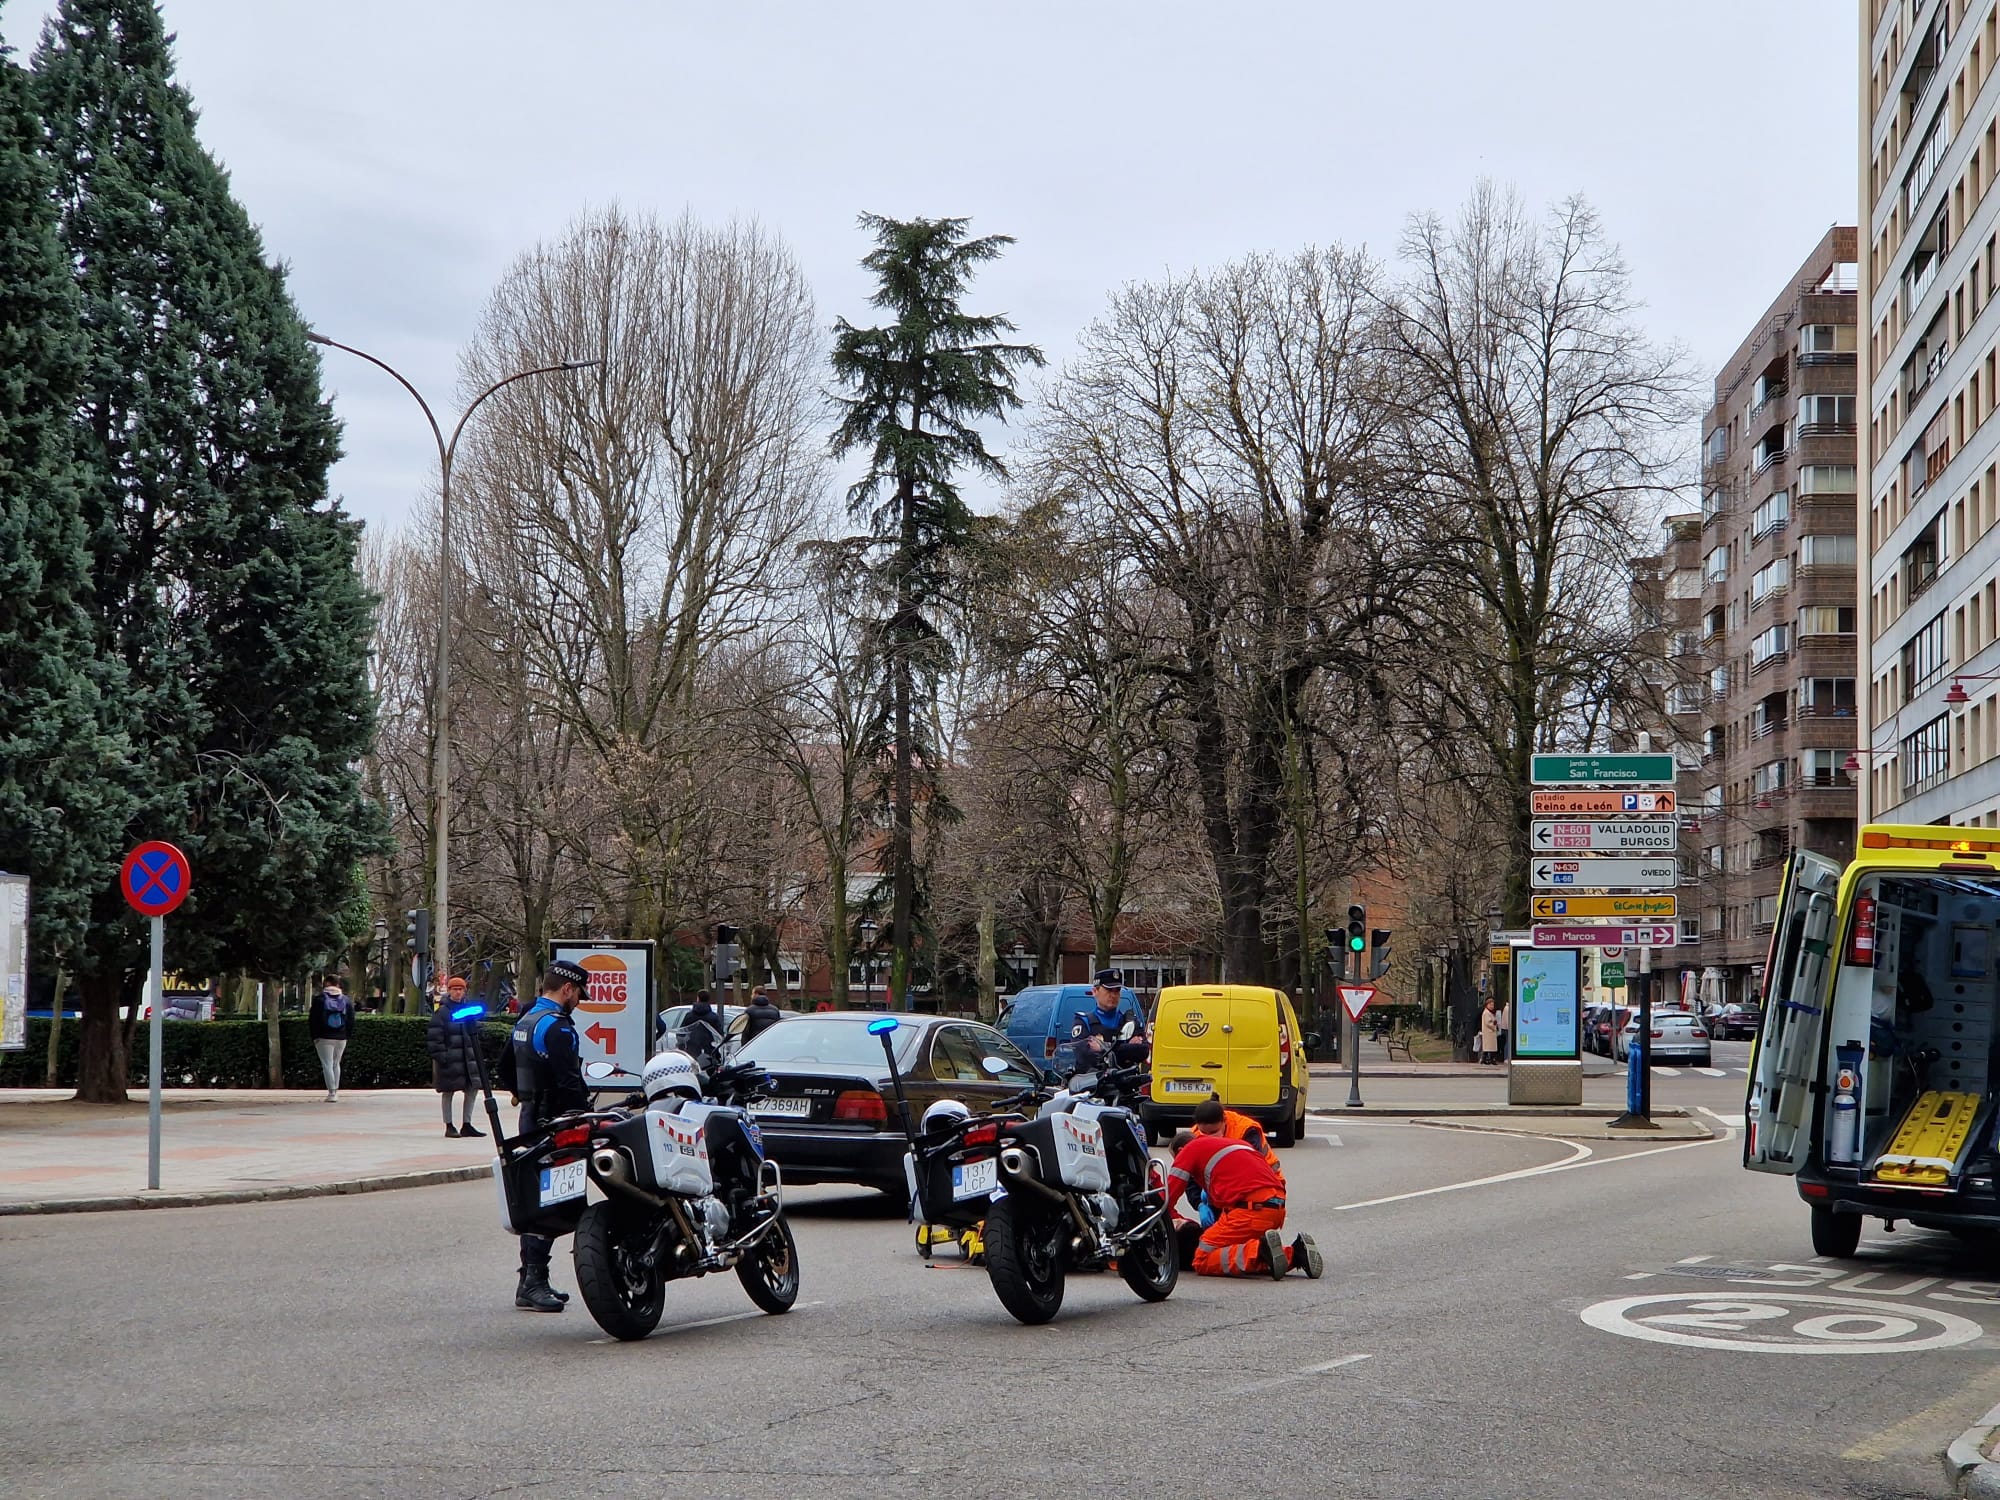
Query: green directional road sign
(1611, 974)
(1603, 770)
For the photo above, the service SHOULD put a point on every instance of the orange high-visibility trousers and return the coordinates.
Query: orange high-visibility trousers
(1234, 1244)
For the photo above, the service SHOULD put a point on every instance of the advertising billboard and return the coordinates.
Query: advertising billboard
(1547, 995)
(13, 962)
(614, 1020)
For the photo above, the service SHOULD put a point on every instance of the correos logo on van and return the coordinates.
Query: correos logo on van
(1193, 1025)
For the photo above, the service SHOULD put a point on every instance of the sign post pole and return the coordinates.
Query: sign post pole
(156, 988)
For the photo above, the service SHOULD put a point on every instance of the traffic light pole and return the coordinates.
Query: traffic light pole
(1357, 939)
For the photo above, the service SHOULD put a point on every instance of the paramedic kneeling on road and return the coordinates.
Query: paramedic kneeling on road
(1247, 1236)
(548, 1078)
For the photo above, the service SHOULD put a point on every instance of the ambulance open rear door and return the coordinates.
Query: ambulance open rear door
(1791, 1036)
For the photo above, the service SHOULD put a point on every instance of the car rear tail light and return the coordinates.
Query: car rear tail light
(983, 1135)
(860, 1104)
(1700, 1035)
(576, 1135)
(1814, 1190)
(1659, 1036)
(1284, 1047)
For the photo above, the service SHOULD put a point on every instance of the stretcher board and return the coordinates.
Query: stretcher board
(1925, 1150)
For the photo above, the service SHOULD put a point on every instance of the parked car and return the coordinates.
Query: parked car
(1678, 1036)
(1734, 1022)
(1038, 1020)
(831, 1115)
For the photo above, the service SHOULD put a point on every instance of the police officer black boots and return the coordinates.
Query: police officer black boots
(533, 1291)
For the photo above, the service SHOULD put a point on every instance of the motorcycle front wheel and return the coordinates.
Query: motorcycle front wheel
(618, 1271)
(1024, 1258)
(1152, 1265)
(769, 1269)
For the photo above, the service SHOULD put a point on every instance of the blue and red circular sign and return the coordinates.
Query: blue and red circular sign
(155, 878)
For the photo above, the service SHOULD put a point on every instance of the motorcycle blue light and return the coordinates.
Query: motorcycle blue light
(882, 1025)
(467, 1012)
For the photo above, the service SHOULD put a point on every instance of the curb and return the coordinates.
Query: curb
(1966, 1466)
(1488, 1111)
(1708, 1133)
(209, 1199)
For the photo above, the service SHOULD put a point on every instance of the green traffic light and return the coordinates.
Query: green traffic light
(1356, 943)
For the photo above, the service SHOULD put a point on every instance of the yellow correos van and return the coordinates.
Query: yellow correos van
(1874, 1081)
(1239, 1042)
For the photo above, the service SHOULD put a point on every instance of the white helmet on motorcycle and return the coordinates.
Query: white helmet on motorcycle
(945, 1110)
(671, 1073)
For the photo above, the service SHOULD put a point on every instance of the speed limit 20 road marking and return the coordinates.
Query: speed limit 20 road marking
(1781, 1323)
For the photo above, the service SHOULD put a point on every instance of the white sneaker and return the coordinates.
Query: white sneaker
(331, 1095)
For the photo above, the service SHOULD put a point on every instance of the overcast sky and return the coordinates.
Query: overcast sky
(400, 153)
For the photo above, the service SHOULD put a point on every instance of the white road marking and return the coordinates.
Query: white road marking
(1713, 1072)
(1640, 1276)
(1660, 1070)
(1693, 1260)
(735, 1317)
(1770, 1323)
(1325, 1368)
(1728, 1122)
(1331, 1140)
(1578, 1153)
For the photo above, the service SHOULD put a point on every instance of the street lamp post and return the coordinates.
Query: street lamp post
(382, 943)
(586, 913)
(447, 449)
(868, 928)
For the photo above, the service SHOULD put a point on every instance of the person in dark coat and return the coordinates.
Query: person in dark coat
(763, 1014)
(330, 1020)
(701, 1032)
(449, 1043)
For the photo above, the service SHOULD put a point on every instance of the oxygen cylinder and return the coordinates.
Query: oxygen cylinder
(1843, 1137)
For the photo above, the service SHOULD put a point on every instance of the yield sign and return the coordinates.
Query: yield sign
(1354, 999)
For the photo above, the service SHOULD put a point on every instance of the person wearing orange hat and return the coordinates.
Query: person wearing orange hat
(449, 1043)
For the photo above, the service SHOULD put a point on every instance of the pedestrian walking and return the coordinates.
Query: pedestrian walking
(450, 1043)
(330, 1020)
(701, 1032)
(1489, 1033)
(1506, 1027)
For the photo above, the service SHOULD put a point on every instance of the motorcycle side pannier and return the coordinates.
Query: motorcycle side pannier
(1071, 1148)
(543, 1192)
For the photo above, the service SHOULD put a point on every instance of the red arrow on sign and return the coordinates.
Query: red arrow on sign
(605, 1036)
(1354, 999)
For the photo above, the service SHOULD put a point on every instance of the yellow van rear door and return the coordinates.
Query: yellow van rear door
(1253, 1047)
(1190, 1046)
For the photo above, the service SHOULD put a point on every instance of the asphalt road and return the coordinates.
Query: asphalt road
(1474, 1337)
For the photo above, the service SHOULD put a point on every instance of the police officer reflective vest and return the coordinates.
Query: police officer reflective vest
(548, 1066)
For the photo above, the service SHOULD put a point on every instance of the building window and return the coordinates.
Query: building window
(1718, 682)
(1767, 580)
(1826, 479)
(1820, 415)
(1826, 619)
(1826, 551)
(1820, 342)
(1771, 777)
(1772, 643)
(1923, 658)
(1824, 768)
(1715, 566)
(1922, 559)
(1711, 623)
(1718, 445)
(1772, 514)
(1826, 698)
(1925, 755)
(1684, 698)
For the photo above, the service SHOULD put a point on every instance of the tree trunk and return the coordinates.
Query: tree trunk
(989, 958)
(274, 1046)
(55, 1030)
(102, 1062)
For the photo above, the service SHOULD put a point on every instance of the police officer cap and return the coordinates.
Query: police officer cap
(565, 971)
(1113, 977)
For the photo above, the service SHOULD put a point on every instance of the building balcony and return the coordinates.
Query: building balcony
(1766, 459)
(1809, 801)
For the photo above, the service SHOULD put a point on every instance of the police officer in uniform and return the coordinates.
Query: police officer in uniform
(1094, 1035)
(548, 1078)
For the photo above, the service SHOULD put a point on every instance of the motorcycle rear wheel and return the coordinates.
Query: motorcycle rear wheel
(624, 1292)
(769, 1270)
(1024, 1258)
(1152, 1266)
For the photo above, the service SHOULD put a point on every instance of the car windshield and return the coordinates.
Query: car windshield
(811, 1039)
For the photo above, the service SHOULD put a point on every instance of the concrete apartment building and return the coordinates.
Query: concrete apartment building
(1765, 677)
(1929, 155)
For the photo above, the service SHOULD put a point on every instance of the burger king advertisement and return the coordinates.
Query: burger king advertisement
(614, 1018)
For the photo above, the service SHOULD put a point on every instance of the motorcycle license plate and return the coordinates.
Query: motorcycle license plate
(1188, 1086)
(565, 1181)
(974, 1178)
(799, 1108)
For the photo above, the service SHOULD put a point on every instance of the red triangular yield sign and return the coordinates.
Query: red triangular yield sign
(1355, 997)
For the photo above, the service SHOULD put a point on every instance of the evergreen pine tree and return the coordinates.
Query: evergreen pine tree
(223, 580)
(63, 803)
(919, 384)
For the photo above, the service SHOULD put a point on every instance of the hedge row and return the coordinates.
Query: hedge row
(386, 1052)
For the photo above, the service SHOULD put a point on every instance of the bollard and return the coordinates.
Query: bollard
(1635, 1075)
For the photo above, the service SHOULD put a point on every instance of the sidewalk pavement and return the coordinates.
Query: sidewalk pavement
(226, 1145)
(1376, 1063)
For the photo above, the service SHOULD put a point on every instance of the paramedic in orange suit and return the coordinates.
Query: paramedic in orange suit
(1247, 1236)
(1211, 1118)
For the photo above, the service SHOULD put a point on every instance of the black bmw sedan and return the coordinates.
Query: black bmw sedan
(832, 1116)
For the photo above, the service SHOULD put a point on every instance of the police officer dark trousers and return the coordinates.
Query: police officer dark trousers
(548, 1077)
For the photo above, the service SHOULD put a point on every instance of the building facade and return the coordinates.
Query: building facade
(1929, 155)
(1765, 676)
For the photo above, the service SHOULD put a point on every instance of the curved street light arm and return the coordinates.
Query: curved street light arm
(437, 433)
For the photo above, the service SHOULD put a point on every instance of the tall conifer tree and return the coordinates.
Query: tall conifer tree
(223, 580)
(63, 801)
(919, 384)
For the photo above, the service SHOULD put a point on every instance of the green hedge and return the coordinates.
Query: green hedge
(386, 1052)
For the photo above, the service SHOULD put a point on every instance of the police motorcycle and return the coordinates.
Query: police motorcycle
(686, 1191)
(1071, 1189)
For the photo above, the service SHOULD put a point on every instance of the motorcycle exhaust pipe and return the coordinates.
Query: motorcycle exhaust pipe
(614, 1172)
(1020, 1171)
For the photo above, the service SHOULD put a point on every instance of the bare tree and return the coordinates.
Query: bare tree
(1537, 421)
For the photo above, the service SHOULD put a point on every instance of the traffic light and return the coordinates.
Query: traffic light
(1357, 935)
(1336, 953)
(726, 964)
(417, 932)
(1378, 946)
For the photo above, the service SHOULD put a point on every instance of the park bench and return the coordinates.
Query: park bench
(1398, 1041)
